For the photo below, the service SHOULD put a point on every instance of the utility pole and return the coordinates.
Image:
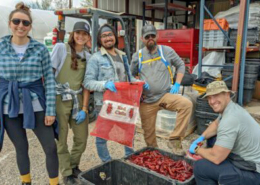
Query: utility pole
(70, 3)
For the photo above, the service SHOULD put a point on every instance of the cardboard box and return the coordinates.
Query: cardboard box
(257, 90)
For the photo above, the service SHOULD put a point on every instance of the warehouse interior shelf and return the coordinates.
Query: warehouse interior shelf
(170, 6)
(225, 48)
(228, 48)
(241, 47)
(253, 48)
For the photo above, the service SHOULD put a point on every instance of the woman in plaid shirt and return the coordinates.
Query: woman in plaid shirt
(25, 103)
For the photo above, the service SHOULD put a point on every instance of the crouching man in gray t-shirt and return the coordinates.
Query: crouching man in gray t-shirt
(235, 157)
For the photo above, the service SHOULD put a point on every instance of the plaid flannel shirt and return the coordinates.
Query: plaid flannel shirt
(66, 93)
(35, 65)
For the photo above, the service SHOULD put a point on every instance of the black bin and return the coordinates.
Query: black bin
(203, 120)
(118, 172)
(190, 181)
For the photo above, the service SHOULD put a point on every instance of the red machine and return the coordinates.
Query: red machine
(184, 41)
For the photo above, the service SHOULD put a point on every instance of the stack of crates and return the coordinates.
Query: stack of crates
(213, 36)
(250, 77)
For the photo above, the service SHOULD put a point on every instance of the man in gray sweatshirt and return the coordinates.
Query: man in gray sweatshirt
(153, 64)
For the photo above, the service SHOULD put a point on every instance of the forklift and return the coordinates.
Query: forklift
(92, 16)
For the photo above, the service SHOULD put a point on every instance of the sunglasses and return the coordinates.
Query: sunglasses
(148, 36)
(18, 21)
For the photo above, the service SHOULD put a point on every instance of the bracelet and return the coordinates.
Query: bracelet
(85, 110)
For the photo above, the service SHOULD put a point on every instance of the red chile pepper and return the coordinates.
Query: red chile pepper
(109, 108)
(131, 113)
(154, 160)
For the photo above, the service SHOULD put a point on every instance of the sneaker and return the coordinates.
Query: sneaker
(69, 180)
(76, 171)
(175, 145)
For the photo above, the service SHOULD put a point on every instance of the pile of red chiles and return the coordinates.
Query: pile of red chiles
(154, 160)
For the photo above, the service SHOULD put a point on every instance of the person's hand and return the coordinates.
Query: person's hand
(199, 140)
(81, 116)
(110, 86)
(49, 120)
(192, 148)
(146, 86)
(175, 88)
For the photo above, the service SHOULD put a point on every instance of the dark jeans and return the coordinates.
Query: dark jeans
(208, 173)
(211, 141)
(45, 134)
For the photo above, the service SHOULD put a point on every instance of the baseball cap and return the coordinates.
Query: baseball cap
(148, 29)
(216, 87)
(81, 26)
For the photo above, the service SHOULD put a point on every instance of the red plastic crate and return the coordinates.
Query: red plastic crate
(209, 24)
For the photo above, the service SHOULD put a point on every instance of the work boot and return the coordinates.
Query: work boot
(69, 180)
(175, 145)
(76, 171)
(26, 183)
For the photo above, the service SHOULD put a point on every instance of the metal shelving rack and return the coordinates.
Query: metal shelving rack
(168, 7)
(240, 46)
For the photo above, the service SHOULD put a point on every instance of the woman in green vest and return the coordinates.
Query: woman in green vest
(69, 63)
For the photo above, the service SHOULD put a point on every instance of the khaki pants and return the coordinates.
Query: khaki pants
(69, 160)
(172, 102)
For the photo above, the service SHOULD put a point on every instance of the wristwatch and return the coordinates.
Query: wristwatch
(196, 149)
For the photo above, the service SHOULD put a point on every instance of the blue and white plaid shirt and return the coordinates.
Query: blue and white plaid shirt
(69, 94)
(35, 65)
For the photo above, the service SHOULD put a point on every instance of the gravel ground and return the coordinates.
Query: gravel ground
(9, 174)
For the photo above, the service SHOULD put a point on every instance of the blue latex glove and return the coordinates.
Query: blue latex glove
(192, 148)
(81, 116)
(146, 86)
(195, 144)
(110, 86)
(198, 140)
(175, 88)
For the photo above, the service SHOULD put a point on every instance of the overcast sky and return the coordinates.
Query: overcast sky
(12, 3)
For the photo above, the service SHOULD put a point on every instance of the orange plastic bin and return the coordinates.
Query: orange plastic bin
(209, 24)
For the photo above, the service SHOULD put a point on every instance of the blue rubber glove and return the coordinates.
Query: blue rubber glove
(175, 88)
(110, 86)
(195, 144)
(81, 116)
(192, 148)
(199, 140)
(146, 86)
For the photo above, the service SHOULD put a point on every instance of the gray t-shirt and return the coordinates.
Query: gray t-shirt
(120, 69)
(239, 132)
(155, 73)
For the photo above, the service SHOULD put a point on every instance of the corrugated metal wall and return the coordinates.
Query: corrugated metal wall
(135, 7)
(112, 5)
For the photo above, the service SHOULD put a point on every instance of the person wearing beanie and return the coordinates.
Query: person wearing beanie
(69, 62)
(105, 67)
